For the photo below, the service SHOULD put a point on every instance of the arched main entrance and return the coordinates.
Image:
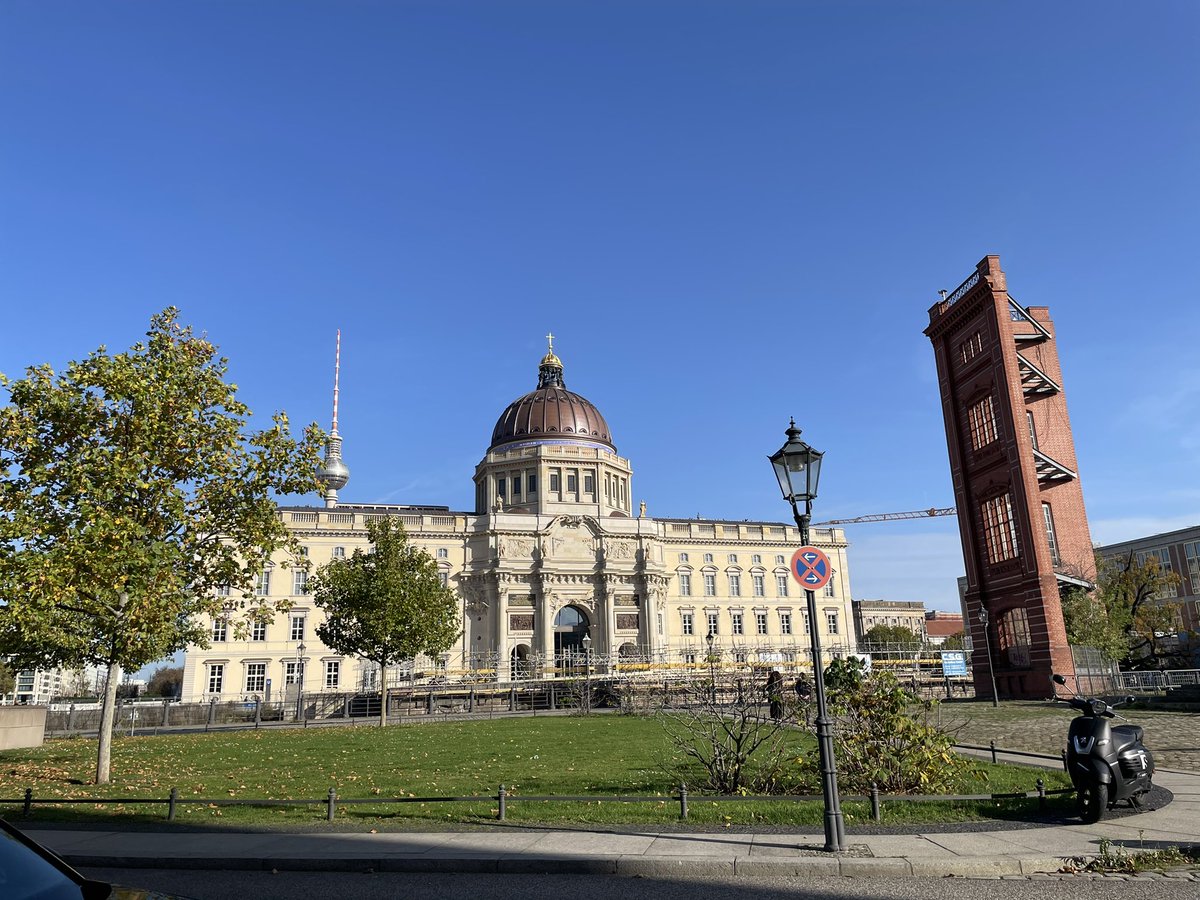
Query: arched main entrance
(570, 626)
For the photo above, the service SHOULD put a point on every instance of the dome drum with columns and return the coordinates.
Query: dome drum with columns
(553, 552)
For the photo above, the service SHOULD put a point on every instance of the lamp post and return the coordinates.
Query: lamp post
(712, 667)
(299, 679)
(798, 468)
(987, 643)
(587, 660)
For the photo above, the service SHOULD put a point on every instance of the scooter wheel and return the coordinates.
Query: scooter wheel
(1091, 802)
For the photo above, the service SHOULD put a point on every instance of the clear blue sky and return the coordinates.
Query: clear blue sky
(728, 213)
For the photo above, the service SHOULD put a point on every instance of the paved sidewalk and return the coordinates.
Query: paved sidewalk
(522, 849)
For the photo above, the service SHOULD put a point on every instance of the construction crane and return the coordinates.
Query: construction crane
(891, 517)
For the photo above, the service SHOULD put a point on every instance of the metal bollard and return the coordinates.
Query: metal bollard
(28, 801)
(71, 718)
(502, 797)
(257, 712)
(512, 699)
(1064, 759)
(553, 698)
(171, 801)
(166, 716)
(1041, 789)
(429, 703)
(331, 805)
(683, 801)
(471, 701)
(876, 812)
(993, 746)
(212, 713)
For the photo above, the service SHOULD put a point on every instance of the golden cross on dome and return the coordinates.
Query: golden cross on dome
(550, 340)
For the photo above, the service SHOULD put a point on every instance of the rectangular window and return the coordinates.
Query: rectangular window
(732, 559)
(735, 585)
(216, 676)
(258, 631)
(739, 656)
(689, 658)
(737, 623)
(981, 419)
(999, 528)
(789, 656)
(444, 578)
(589, 482)
(219, 629)
(760, 622)
(1191, 553)
(831, 622)
(502, 486)
(263, 587)
(688, 627)
(554, 480)
(1051, 539)
(781, 585)
(785, 623)
(339, 552)
(714, 623)
(256, 677)
(291, 672)
(333, 672)
(830, 588)
(1163, 555)
(710, 585)
(516, 486)
(760, 589)
(300, 582)
(297, 632)
(971, 347)
(572, 481)
(685, 584)
(531, 482)
(223, 591)
(683, 557)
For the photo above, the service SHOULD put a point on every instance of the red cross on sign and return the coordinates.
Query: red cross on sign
(811, 568)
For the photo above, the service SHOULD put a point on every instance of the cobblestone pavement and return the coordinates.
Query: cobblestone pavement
(1039, 727)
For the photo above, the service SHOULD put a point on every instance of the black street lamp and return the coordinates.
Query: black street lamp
(798, 468)
(299, 680)
(587, 654)
(712, 667)
(987, 643)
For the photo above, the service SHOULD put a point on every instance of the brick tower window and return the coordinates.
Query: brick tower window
(982, 420)
(1000, 528)
(1048, 515)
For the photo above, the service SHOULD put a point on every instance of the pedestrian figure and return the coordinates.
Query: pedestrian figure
(804, 695)
(775, 694)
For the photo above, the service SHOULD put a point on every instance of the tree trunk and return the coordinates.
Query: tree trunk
(383, 692)
(107, 710)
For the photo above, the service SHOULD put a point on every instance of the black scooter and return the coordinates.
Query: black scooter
(1107, 763)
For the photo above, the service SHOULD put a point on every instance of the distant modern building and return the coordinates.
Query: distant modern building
(941, 626)
(556, 550)
(1021, 515)
(1176, 551)
(905, 614)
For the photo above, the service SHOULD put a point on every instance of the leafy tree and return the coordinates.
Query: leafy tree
(880, 741)
(1126, 617)
(165, 681)
(953, 642)
(8, 679)
(387, 605)
(129, 493)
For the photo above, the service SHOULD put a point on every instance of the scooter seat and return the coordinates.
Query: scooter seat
(1125, 736)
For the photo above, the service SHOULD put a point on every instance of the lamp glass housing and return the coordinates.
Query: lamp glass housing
(797, 468)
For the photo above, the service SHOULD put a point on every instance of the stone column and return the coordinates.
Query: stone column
(503, 672)
(544, 627)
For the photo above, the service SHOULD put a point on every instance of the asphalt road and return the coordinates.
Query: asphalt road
(209, 885)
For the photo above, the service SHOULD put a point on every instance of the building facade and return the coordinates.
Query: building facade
(905, 614)
(941, 626)
(553, 553)
(1178, 552)
(1021, 515)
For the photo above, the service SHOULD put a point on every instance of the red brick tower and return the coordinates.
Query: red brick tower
(1012, 459)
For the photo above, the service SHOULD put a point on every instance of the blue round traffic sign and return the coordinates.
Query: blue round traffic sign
(811, 568)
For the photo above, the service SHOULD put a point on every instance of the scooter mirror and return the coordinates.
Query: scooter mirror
(1058, 679)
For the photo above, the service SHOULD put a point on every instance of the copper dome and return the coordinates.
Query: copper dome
(551, 411)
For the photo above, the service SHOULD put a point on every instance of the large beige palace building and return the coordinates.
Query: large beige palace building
(554, 551)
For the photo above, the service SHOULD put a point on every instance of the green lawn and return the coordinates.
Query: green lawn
(577, 755)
